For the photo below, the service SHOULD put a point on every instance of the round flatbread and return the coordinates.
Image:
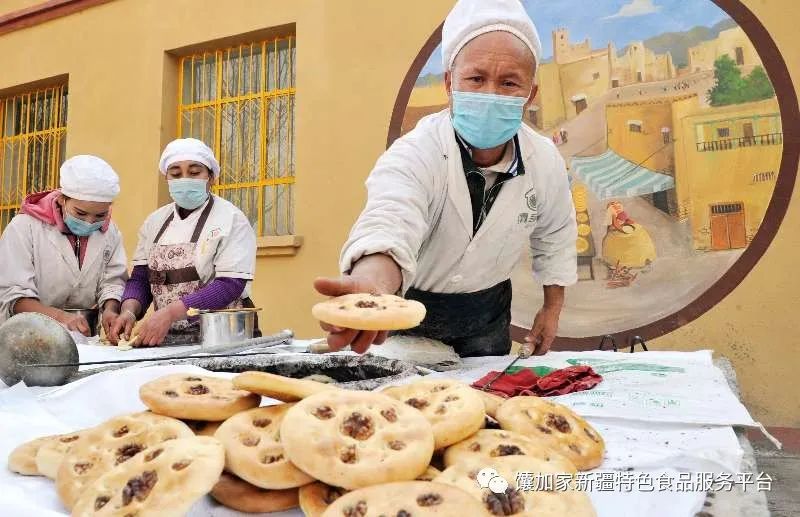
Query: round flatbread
(22, 459)
(454, 409)
(493, 443)
(407, 498)
(354, 439)
(366, 311)
(196, 397)
(554, 426)
(253, 450)
(491, 402)
(202, 427)
(508, 491)
(110, 444)
(279, 387)
(315, 498)
(51, 453)
(240, 495)
(164, 481)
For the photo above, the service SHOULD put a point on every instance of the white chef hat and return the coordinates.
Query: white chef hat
(188, 149)
(471, 18)
(89, 178)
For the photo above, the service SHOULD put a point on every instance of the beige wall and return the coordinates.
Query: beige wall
(348, 76)
(646, 148)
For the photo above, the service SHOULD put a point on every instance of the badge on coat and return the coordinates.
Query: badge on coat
(528, 218)
(107, 255)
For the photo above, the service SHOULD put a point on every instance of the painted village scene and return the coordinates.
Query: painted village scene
(672, 137)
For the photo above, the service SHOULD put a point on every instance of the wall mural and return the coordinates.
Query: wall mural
(672, 134)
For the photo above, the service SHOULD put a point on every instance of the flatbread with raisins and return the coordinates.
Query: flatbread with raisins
(110, 444)
(454, 409)
(495, 443)
(240, 495)
(407, 499)
(354, 439)
(165, 481)
(519, 486)
(554, 426)
(196, 397)
(366, 311)
(254, 452)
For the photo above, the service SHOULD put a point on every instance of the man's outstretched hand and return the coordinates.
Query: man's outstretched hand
(338, 338)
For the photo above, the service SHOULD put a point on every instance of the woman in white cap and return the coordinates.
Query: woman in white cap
(451, 204)
(197, 252)
(62, 251)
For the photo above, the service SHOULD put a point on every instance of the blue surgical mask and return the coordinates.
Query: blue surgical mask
(486, 120)
(188, 193)
(80, 227)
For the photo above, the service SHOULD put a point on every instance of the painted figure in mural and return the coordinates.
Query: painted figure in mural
(452, 203)
(626, 244)
(617, 219)
(66, 251)
(197, 252)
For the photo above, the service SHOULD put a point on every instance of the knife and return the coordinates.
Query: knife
(523, 353)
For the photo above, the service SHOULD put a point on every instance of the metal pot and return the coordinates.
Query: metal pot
(219, 328)
(91, 317)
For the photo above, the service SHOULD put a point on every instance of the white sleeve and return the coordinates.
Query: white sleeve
(18, 277)
(396, 218)
(115, 274)
(142, 253)
(555, 258)
(236, 253)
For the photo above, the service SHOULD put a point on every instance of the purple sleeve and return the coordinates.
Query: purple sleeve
(138, 287)
(220, 293)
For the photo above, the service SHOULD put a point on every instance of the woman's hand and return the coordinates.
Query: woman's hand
(155, 328)
(74, 322)
(121, 327)
(107, 320)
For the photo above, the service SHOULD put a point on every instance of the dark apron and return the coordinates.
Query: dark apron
(474, 324)
(173, 275)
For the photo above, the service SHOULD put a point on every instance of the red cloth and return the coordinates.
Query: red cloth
(525, 382)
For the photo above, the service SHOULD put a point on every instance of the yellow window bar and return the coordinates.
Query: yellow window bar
(240, 101)
(33, 132)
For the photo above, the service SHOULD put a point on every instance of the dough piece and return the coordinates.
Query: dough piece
(196, 397)
(491, 401)
(318, 377)
(528, 501)
(110, 444)
(240, 495)
(407, 498)
(453, 408)
(487, 444)
(203, 427)
(354, 439)
(51, 453)
(554, 426)
(164, 481)
(366, 311)
(279, 387)
(22, 459)
(430, 473)
(253, 450)
(429, 353)
(316, 497)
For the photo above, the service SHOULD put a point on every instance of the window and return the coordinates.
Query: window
(739, 56)
(240, 101)
(723, 132)
(32, 141)
(635, 126)
(596, 76)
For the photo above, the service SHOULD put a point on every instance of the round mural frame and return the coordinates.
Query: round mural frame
(779, 203)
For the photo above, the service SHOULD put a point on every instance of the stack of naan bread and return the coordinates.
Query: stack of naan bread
(404, 451)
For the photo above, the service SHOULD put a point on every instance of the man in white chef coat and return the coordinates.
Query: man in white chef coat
(451, 204)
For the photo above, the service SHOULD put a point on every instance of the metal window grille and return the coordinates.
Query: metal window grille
(33, 133)
(727, 208)
(240, 101)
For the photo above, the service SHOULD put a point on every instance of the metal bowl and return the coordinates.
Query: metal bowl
(29, 338)
(91, 316)
(219, 328)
